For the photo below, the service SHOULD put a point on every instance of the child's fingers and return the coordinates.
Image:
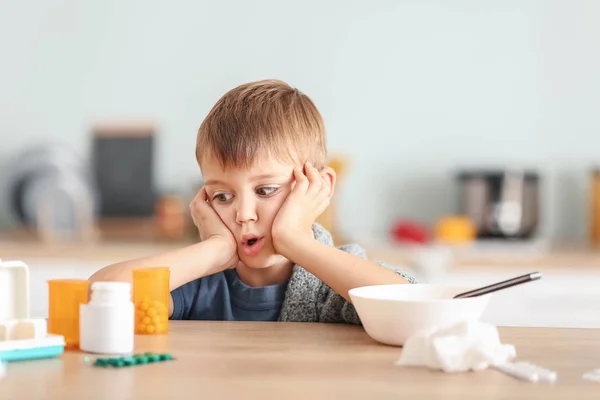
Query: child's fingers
(301, 181)
(198, 204)
(194, 202)
(322, 205)
(323, 192)
(200, 196)
(314, 179)
(203, 194)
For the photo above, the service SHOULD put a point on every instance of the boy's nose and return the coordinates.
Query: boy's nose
(246, 212)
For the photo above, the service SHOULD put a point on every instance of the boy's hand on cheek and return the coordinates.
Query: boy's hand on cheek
(211, 227)
(307, 200)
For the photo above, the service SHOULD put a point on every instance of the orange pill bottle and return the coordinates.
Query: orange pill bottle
(151, 300)
(64, 298)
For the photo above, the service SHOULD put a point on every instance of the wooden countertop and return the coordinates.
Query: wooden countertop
(112, 250)
(576, 256)
(230, 360)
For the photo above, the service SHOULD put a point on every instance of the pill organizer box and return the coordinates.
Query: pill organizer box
(22, 337)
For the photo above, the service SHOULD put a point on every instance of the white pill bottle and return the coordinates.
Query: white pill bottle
(106, 323)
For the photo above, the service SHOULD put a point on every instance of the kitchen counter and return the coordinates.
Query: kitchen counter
(304, 361)
(109, 250)
(527, 255)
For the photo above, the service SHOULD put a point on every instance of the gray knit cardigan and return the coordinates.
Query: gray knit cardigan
(307, 299)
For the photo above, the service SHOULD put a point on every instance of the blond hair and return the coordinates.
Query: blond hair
(265, 117)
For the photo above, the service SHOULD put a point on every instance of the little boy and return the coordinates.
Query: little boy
(261, 256)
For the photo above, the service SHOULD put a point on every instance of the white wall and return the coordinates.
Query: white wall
(409, 89)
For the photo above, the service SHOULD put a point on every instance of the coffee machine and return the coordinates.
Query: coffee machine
(503, 204)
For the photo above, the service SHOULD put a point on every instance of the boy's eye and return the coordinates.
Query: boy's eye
(265, 191)
(222, 197)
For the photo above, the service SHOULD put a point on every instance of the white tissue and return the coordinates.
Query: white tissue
(592, 375)
(467, 345)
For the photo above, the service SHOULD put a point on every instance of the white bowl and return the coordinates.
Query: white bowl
(390, 314)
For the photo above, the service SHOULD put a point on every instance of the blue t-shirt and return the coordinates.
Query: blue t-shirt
(224, 297)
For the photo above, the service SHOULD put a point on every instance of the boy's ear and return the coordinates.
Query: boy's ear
(329, 176)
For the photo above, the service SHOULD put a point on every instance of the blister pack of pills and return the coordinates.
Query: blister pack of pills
(128, 361)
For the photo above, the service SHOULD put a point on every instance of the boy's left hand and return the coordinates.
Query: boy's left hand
(307, 200)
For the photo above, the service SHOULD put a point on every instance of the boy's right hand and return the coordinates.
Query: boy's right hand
(211, 227)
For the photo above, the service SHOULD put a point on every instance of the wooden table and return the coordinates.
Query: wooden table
(231, 360)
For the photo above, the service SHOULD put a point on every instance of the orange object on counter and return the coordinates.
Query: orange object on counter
(171, 217)
(64, 298)
(455, 229)
(151, 300)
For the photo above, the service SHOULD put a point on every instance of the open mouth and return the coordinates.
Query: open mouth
(251, 245)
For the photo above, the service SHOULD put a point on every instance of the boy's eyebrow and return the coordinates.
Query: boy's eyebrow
(265, 176)
(213, 182)
(254, 178)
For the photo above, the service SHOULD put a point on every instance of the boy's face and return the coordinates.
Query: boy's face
(247, 200)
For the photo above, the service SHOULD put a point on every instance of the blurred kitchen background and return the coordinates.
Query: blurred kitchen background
(459, 129)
